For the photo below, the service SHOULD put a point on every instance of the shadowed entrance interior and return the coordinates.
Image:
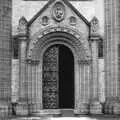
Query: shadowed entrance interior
(66, 78)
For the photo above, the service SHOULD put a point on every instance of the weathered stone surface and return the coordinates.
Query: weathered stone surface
(22, 109)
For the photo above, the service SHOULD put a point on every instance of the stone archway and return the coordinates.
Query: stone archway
(82, 66)
(85, 65)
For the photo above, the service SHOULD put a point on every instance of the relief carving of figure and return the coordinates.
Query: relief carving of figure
(58, 12)
(94, 25)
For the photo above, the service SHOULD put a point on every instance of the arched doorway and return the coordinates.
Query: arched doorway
(58, 78)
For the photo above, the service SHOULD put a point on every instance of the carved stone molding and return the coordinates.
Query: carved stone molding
(85, 61)
(30, 61)
(79, 41)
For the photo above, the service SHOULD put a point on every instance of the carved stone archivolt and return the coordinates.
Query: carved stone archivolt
(82, 46)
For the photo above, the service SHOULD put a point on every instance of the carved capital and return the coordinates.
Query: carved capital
(89, 61)
(95, 38)
(30, 61)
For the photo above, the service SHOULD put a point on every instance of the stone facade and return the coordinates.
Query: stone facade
(111, 51)
(5, 56)
(5, 49)
(59, 23)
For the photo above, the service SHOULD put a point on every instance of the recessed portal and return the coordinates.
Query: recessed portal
(58, 78)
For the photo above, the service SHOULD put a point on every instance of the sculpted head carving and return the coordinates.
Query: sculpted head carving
(94, 25)
(58, 11)
(22, 26)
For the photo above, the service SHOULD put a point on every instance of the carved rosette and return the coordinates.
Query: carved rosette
(58, 12)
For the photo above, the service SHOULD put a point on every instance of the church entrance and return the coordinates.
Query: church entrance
(58, 78)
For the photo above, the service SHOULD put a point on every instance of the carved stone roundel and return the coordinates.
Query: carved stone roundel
(58, 11)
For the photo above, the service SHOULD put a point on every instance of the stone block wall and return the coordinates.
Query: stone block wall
(111, 47)
(5, 49)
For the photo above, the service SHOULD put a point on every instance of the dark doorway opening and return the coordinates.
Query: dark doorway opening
(66, 78)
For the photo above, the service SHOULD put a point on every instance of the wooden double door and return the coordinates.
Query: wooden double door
(58, 78)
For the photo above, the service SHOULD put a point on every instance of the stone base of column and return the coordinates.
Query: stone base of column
(82, 110)
(116, 109)
(34, 108)
(5, 110)
(96, 108)
(112, 106)
(22, 109)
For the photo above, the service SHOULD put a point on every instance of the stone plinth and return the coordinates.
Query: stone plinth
(112, 106)
(116, 109)
(22, 109)
(83, 109)
(5, 110)
(95, 107)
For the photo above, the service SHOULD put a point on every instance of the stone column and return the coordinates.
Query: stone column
(83, 85)
(23, 81)
(112, 40)
(22, 106)
(15, 80)
(95, 106)
(94, 47)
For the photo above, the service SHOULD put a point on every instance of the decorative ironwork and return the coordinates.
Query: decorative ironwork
(50, 78)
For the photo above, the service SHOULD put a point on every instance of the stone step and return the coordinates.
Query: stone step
(67, 112)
